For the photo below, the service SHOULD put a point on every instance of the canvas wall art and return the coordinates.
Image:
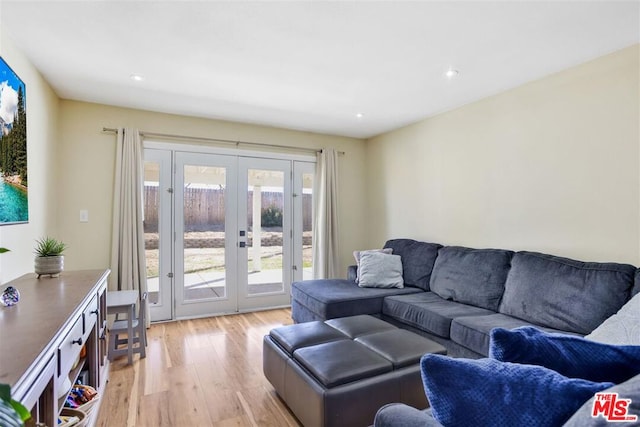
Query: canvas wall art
(14, 180)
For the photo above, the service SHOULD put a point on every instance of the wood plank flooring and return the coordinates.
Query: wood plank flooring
(203, 372)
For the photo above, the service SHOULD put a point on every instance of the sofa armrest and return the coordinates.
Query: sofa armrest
(401, 415)
(352, 272)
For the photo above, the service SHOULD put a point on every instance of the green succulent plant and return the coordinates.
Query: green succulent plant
(48, 246)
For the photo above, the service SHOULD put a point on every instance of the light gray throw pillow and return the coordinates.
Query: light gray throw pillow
(380, 270)
(358, 254)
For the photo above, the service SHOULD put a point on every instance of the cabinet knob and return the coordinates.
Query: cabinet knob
(78, 341)
(95, 312)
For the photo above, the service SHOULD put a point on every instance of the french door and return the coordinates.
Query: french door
(233, 231)
(205, 251)
(265, 264)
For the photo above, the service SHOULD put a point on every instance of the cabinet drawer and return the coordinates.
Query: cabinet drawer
(70, 347)
(90, 317)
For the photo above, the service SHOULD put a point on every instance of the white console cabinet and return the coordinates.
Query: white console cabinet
(43, 336)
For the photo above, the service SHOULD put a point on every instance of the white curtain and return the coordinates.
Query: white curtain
(325, 230)
(127, 239)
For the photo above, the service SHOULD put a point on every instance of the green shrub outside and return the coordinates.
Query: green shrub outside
(272, 217)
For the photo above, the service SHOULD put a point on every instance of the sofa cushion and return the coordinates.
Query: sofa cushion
(474, 332)
(471, 276)
(627, 390)
(417, 260)
(621, 328)
(487, 392)
(428, 312)
(563, 293)
(380, 270)
(331, 298)
(571, 356)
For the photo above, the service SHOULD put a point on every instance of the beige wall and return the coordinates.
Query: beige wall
(42, 134)
(86, 156)
(550, 166)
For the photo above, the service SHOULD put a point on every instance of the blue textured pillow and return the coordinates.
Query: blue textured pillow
(569, 355)
(487, 392)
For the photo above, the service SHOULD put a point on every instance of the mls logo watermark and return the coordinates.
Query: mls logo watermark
(612, 408)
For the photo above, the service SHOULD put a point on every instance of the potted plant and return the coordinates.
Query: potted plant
(12, 413)
(49, 259)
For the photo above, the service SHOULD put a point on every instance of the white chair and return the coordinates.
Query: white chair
(139, 339)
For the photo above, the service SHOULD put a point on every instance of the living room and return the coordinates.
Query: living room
(549, 165)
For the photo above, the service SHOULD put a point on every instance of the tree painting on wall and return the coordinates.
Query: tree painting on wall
(14, 205)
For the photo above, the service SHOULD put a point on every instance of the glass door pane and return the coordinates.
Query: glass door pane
(204, 232)
(157, 232)
(303, 175)
(265, 203)
(205, 235)
(151, 228)
(265, 228)
(307, 225)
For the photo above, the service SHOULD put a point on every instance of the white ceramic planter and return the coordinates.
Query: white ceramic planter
(49, 265)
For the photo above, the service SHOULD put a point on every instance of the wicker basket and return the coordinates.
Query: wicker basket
(89, 406)
(68, 412)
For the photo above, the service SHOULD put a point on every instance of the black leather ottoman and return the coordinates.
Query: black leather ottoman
(341, 371)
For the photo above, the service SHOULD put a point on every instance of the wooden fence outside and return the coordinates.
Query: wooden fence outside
(204, 208)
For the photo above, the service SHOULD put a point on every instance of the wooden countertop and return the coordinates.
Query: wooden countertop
(47, 307)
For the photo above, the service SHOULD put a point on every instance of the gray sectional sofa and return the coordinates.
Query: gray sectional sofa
(457, 295)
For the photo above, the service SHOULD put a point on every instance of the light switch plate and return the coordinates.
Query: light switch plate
(84, 215)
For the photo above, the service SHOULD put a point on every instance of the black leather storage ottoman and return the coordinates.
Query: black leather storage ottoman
(341, 371)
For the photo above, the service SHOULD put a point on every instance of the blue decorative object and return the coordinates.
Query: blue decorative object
(568, 355)
(487, 392)
(10, 296)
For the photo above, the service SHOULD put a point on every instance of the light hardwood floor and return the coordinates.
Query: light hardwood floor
(203, 372)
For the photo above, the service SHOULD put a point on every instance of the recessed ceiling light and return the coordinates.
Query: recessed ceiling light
(451, 73)
(359, 115)
(136, 77)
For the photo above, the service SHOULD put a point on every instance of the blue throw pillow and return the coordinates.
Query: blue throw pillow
(569, 355)
(487, 392)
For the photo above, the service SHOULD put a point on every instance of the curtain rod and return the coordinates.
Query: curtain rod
(226, 141)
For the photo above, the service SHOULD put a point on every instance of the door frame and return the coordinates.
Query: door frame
(295, 259)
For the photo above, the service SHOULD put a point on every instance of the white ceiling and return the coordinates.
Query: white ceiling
(309, 65)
